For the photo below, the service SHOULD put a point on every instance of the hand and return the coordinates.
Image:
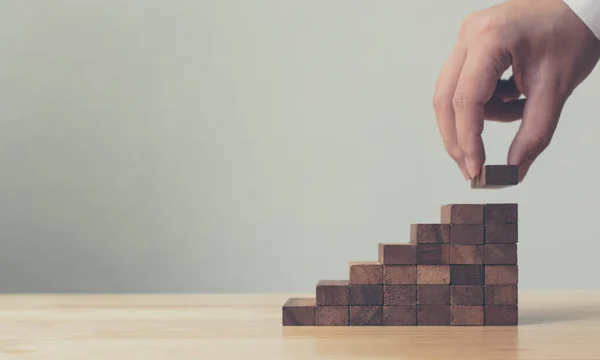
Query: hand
(551, 52)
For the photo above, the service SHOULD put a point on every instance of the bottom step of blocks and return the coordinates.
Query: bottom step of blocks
(299, 312)
(501, 315)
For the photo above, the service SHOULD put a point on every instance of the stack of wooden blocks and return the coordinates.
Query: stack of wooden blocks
(460, 272)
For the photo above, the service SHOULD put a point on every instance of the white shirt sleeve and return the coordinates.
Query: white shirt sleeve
(588, 11)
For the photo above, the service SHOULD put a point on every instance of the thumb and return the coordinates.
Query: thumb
(540, 119)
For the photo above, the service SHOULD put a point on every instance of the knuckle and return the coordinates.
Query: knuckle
(461, 101)
(442, 103)
(468, 146)
(454, 152)
(540, 142)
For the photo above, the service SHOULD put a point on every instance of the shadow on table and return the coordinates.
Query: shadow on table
(562, 313)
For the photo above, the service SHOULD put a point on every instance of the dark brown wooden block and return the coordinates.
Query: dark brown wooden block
(496, 176)
(367, 272)
(466, 254)
(430, 233)
(466, 295)
(333, 292)
(366, 294)
(433, 315)
(299, 312)
(433, 254)
(398, 254)
(400, 274)
(501, 213)
(433, 274)
(501, 295)
(433, 294)
(466, 234)
(501, 275)
(399, 294)
(501, 233)
(500, 254)
(467, 274)
(501, 315)
(366, 315)
(405, 315)
(466, 316)
(332, 315)
(462, 214)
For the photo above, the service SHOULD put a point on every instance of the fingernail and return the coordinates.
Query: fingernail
(472, 167)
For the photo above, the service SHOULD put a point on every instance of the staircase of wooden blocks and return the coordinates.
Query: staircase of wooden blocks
(460, 272)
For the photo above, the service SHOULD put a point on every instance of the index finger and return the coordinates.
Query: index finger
(476, 85)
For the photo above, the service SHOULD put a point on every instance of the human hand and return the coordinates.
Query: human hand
(551, 52)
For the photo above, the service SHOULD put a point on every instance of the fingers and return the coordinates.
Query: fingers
(476, 86)
(444, 93)
(540, 118)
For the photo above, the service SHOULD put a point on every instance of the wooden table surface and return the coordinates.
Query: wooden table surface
(553, 325)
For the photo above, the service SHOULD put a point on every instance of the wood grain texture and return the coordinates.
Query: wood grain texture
(366, 315)
(430, 233)
(501, 213)
(501, 233)
(399, 294)
(399, 274)
(501, 274)
(433, 254)
(466, 316)
(466, 254)
(462, 214)
(366, 295)
(496, 176)
(366, 272)
(398, 254)
(332, 316)
(333, 292)
(467, 275)
(501, 295)
(501, 315)
(433, 274)
(299, 312)
(433, 294)
(553, 325)
(500, 254)
(466, 295)
(466, 234)
(400, 315)
(433, 315)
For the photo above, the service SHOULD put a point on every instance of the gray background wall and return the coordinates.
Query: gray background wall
(251, 146)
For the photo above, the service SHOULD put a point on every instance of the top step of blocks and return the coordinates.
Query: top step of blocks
(496, 176)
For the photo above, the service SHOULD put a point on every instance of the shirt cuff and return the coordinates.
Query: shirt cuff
(588, 11)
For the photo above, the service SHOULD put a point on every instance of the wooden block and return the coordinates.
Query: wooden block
(405, 315)
(399, 294)
(466, 316)
(500, 254)
(466, 295)
(501, 213)
(496, 176)
(366, 315)
(299, 312)
(398, 254)
(433, 274)
(366, 294)
(332, 315)
(433, 254)
(430, 233)
(501, 275)
(466, 254)
(501, 233)
(466, 275)
(466, 234)
(462, 214)
(501, 295)
(433, 294)
(399, 274)
(501, 315)
(433, 315)
(367, 272)
(333, 293)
